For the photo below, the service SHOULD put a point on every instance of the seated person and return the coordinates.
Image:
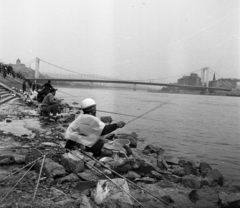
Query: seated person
(49, 104)
(87, 129)
(41, 94)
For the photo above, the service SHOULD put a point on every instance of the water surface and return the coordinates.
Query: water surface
(200, 127)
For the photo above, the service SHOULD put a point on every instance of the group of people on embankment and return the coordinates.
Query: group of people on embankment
(45, 97)
(6, 69)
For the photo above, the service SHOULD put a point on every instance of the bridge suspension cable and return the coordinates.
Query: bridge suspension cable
(61, 67)
(30, 62)
(87, 75)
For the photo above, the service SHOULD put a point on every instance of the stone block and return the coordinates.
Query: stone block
(73, 162)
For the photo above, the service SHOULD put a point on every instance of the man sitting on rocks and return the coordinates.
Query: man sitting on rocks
(50, 104)
(87, 129)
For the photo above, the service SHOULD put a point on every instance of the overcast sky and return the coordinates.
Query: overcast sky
(128, 39)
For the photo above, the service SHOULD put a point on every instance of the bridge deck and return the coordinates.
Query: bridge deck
(132, 82)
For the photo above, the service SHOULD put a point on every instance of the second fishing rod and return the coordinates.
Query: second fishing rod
(122, 114)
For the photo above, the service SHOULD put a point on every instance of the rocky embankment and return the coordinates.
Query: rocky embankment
(37, 172)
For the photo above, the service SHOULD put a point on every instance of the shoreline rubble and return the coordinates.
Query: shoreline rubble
(69, 179)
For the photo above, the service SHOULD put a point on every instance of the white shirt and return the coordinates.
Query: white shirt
(85, 129)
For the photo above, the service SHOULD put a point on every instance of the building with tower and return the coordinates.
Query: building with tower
(21, 68)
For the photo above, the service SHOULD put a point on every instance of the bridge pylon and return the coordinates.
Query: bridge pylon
(205, 76)
(37, 68)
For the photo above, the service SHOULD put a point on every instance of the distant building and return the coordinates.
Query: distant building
(193, 80)
(21, 68)
(27, 72)
(225, 83)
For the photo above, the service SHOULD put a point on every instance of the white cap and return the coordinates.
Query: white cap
(87, 103)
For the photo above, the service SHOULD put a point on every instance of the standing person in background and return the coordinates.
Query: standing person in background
(33, 87)
(47, 86)
(24, 86)
(87, 129)
(4, 72)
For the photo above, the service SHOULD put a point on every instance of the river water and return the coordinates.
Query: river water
(198, 127)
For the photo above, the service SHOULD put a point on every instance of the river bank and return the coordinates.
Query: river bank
(68, 182)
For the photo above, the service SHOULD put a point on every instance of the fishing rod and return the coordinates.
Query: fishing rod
(135, 118)
(121, 114)
(160, 105)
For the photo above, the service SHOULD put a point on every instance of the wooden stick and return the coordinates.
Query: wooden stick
(39, 177)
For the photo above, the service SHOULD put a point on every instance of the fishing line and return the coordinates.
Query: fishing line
(67, 93)
(122, 114)
(160, 105)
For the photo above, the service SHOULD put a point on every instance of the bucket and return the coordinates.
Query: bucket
(122, 142)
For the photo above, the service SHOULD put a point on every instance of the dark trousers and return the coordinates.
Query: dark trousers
(95, 149)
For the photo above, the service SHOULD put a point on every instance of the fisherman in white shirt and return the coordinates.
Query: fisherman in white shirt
(87, 129)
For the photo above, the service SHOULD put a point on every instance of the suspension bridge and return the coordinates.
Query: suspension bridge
(185, 81)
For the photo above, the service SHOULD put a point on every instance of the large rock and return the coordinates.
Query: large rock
(139, 154)
(233, 200)
(214, 177)
(131, 175)
(193, 196)
(19, 159)
(172, 178)
(162, 164)
(69, 178)
(6, 159)
(50, 168)
(85, 185)
(88, 175)
(73, 162)
(155, 174)
(179, 171)
(153, 149)
(189, 167)
(191, 181)
(138, 165)
(204, 168)
(171, 160)
(222, 196)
